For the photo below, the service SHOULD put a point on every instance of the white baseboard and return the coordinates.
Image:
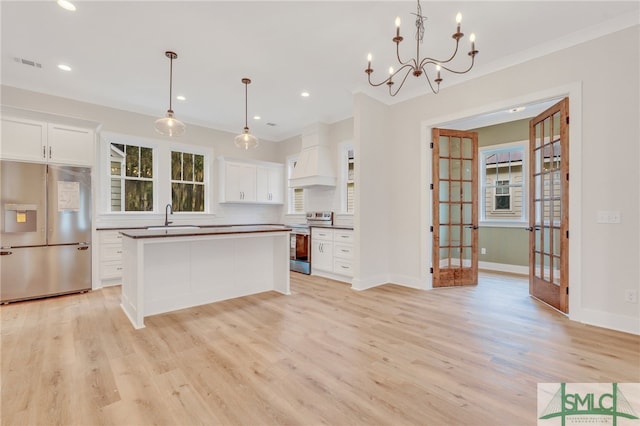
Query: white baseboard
(504, 267)
(622, 323)
(407, 281)
(364, 284)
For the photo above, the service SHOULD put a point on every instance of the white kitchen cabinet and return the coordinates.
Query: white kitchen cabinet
(332, 253)
(30, 140)
(239, 182)
(110, 257)
(251, 182)
(322, 249)
(270, 184)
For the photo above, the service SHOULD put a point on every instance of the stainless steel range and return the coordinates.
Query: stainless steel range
(300, 240)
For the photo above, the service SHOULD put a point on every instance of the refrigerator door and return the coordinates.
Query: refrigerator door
(22, 204)
(69, 205)
(33, 272)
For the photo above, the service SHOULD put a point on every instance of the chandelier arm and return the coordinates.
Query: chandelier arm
(401, 83)
(390, 77)
(409, 62)
(426, 61)
(450, 69)
(435, 91)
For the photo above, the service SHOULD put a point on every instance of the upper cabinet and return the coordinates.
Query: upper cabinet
(29, 140)
(251, 182)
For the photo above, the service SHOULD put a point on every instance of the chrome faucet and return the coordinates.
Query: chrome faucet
(168, 209)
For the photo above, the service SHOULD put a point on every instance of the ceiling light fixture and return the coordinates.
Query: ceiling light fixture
(64, 67)
(169, 125)
(181, 98)
(246, 140)
(304, 94)
(65, 4)
(418, 66)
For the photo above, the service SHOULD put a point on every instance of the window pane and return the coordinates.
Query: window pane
(146, 162)
(116, 168)
(132, 161)
(138, 195)
(187, 167)
(198, 168)
(176, 165)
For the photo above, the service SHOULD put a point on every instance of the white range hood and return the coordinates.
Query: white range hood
(314, 166)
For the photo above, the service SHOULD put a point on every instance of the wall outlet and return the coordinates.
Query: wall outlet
(631, 296)
(483, 250)
(608, 217)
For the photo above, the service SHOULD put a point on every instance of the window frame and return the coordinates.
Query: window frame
(291, 161)
(523, 219)
(188, 149)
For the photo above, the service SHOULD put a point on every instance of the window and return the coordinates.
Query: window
(131, 178)
(295, 196)
(188, 187)
(502, 178)
(502, 195)
(348, 178)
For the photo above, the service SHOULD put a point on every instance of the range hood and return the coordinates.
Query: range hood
(314, 166)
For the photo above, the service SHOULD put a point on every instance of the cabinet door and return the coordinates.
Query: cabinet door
(321, 255)
(23, 140)
(269, 185)
(70, 145)
(240, 182)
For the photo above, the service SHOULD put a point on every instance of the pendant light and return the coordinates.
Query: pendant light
(169, 125)
(246, 140)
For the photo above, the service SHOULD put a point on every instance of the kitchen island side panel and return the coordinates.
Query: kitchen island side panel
(181, 272)
(132, 279)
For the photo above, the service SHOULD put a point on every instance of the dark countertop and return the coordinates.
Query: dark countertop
(123, 228)
(202, 231)
(344, 227)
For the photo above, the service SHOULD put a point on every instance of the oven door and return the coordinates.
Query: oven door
(299, 255)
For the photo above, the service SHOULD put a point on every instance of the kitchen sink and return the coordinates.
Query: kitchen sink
(162, 227)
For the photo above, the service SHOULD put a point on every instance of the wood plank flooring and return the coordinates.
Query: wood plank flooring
(324, 355)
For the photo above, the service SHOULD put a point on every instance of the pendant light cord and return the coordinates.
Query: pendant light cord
(170, 81)
(245, 107)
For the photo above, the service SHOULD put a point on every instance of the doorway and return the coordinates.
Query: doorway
(471, 123)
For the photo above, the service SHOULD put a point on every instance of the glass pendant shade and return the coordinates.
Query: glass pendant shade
(169, 125)
(246, 140)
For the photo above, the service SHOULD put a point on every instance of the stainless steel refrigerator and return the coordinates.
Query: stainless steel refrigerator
(45, 244)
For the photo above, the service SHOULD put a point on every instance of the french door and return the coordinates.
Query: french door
(455, 208)
(549, 206)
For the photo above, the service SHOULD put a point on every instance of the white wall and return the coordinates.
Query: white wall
(607, 134)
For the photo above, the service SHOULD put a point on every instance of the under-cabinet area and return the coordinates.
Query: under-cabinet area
(332, 253)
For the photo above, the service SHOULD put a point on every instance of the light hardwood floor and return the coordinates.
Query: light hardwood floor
(324, 355)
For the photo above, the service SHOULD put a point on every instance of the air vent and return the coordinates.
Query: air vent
(270, 124)
(28, 62)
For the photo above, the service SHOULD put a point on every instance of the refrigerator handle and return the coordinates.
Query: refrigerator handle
(5, 253)
(44, 152)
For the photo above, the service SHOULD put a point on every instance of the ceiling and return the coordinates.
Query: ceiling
(116, 51)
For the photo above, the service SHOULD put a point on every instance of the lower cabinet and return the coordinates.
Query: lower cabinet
(110, 257)
(332, 253)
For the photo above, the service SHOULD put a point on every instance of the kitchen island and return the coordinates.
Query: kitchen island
(176, 268)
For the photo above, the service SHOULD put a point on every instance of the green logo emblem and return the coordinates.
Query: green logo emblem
(587, 403)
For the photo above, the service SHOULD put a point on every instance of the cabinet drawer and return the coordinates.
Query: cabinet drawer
(343, 251)
(343, 267)
(322, 234)
(340, 236)
(111, 252)
(110, 237)
(111, 269)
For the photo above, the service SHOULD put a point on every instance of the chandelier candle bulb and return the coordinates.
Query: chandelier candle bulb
(397, 26)
(472, 39)
(458, 20)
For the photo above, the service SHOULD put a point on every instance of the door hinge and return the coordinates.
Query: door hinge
(431, 145)
(567, 234)
(430, 186)
(567, 119)
(431, 228)
(567, 290)
(431, 270)
(567, 176)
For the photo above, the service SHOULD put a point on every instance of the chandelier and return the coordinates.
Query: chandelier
(417, 66)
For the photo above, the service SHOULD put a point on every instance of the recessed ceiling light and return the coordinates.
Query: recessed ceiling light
(65, 4)
(518, 109)
(64, 67)
(304, 94)
(256, 117)
(181, 98)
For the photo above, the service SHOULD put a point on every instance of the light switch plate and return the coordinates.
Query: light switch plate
(608, 216)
